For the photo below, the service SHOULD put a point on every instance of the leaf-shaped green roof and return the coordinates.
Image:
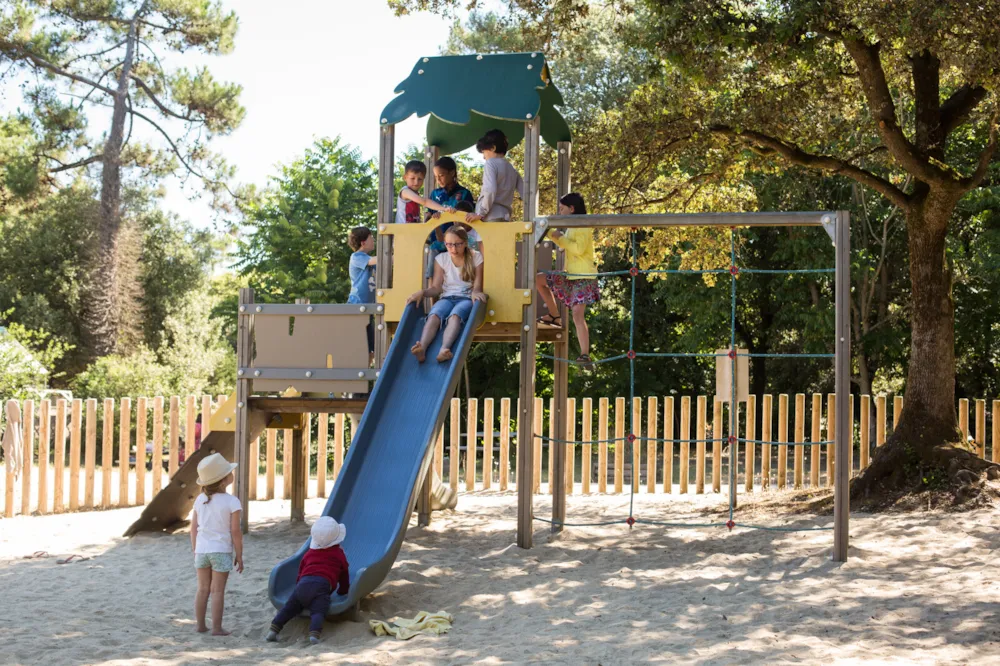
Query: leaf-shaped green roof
(469, 95)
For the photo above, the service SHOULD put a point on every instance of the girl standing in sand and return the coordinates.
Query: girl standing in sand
(458, 280)
(216, 539)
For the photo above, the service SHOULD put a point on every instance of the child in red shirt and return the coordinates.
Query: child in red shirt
(322, 570)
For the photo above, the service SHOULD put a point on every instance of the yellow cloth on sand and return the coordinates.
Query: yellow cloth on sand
(424, 623)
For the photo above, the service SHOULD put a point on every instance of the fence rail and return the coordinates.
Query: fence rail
(71, 469)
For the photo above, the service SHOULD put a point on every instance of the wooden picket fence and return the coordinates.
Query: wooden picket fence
(72, 469)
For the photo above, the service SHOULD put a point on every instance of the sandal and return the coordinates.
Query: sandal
(552, 321)
(583, 360)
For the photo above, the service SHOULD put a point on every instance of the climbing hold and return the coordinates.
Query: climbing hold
(733, 270)
(631, 354)
(634, 271)
(631, 437)
(732, 353)
(730, 524)
(732, 439)
(630, 521)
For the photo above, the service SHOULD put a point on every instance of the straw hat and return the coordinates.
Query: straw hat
(214, 468)
(326, 533)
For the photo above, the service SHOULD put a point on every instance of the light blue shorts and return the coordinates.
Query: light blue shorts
(221, 562)
(458, 306)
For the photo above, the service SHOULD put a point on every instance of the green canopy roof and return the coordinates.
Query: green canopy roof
(468, 95)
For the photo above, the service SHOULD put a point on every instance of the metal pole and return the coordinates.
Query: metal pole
(842, 470)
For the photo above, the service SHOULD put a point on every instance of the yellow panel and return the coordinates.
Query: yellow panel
(223, 419)
(499, 266)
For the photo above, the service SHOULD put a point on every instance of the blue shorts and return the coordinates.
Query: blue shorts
(458, 306)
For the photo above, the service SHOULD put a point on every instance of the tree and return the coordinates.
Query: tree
(108, 54)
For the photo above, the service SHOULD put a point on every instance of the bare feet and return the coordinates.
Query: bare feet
(220, 632)
(444, 355)
(418, 351)
(201, 629)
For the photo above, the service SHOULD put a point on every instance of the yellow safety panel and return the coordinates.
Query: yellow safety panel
(499, 266)
(223, 419)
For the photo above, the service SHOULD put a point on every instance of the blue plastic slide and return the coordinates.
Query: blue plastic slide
(377, 487)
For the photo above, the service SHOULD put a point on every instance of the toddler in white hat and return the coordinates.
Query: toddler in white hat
(216, 539)
(322, 570)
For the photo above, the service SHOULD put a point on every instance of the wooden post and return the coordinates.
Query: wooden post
(783, 438)
(865, 434)
(338, 444)
(44, 435)
(140, 452)
(619, 444)
(996, 431)
(286, 463)
(8, 495)
(751, 448)
(563, 463)
(439, 453)
(897, 410)
(717, 446)
(298, 486)
(668, 446)
(504, 443)
(700, 428)
(321, 454)
(816, 436)
(124, 445)
(471, 424)
(244, 387)
(206, 416)
(602, 447)
(74, 454)
(537, 455)
(831, 433)
(157, 457)
(90, 453)
(880, 420)
(190, 415)
(306, 465)
(685, 459)
(453, 451)
(766, 411)
(800, 435)
(28, 456)
(850, 433)
(59, 457)
(270, 462)
(842, 382)
(588, 443)
(981, 427)
(652, 424)
(253, 460)
(107, 451)
(552, 444)
(383, 252)
(570, 448)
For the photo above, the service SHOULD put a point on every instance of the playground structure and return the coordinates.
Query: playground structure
(302, 355)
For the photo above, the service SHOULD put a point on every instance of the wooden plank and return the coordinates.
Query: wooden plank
(815, 436)
(504, 443)
(124, 444)
(652, 430)
(157, 457)
(996, 432)
(90, 454)
(140, 452)
(717, 446)
(569, 475)
(897, 410)
(487, 443)
(685, 455)
(173, 453)
(668, 446)
(338, 444)
(44, 435)
(963, 419)
(471, 426)
(782, 437)
(800, 436)
(537, 446)
(75, 435)
(107, 451)
(851, 434)
(270, 461)
(619, 444)
(322, 434)
(552, 444)
(286, 463)
(28, 456)
(635, 428)
(751, 448)
(981, 427)
(765, 436)
(254, 460)
(299, 479)
(700, 429)
(309, 405)
(587, 432)
(453, 451)
(880, 420)
(865, 432)
(439, 453)
(190, 414)
(306, 455)
(602, 447)
(10, 479)
(206, 416)
(831, 434)
(59, 457)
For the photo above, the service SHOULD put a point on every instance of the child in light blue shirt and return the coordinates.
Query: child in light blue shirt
(362, 273)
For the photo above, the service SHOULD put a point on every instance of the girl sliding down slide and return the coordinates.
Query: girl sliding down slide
(458, 280)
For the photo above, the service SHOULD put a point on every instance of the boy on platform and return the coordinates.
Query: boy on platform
(409, 201)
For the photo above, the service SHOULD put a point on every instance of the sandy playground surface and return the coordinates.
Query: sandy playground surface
(919, 588)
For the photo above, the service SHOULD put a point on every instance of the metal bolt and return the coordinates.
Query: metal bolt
(530, 67)
(260, 309)
(527, 328)
(363, 309)
(309, 374)
(228, 420)
(381, 228)
(492, 313)
(243, 308)
(212, 451)
(528, 226)
(493, 323)
(427, 250)
(542, 223)
(184, 485)
(426, 59)
(558, 336)
(376, 373)
(534, 55)
(154, 519)
(239, 372)
(527, 294)
(842, 339)
(380, 327)
(479, 57)
(239, 405)
(361, 374)
(528, 116)
(538, 245)
(256, 373)
(420, 71)
(381, 293)
(562, 151)
(309, 309)
(378, 308)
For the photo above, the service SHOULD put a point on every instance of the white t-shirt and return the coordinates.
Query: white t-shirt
(214, 522)
(453, 283)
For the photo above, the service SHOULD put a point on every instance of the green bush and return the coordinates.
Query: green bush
(114, 376)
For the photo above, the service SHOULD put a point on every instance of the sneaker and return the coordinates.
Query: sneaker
(272, 636)
(314, 640)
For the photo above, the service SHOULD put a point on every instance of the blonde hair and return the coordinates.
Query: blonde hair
(215, 488)
(469, 265)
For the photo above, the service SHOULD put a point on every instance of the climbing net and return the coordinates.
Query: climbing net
(631, 355)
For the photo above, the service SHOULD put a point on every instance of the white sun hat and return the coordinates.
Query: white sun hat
(326, 533)
(214, 468)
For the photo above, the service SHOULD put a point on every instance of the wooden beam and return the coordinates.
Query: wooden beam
(309, 405)
(842, 382)
(560, 369)
(241, 449)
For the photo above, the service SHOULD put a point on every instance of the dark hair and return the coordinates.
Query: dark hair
(446, 163)
(465, 207)
(494, 140)
(574, 201)
(415, 166)
(357, 237)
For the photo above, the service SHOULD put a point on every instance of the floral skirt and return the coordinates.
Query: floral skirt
(573, 292)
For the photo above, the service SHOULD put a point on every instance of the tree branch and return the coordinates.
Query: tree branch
(75, 165)
(160, 105)
(45, 64)
(768, 145)
(93, 55)
(956, 109)
(986, 156)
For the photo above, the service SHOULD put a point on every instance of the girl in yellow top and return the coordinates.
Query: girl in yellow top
(578, 288)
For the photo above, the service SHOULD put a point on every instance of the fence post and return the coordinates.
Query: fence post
(668, 445)
(685, 455)
(338, 444)
(552, 445)
(587, 427)
(865, 431)
(602, 447)
(76, 423)
(880, 420)
(271, 456)
(751, 448)
(996, 431)
(800, 436)
(831, 433)
(43, 456)
(816, 436)
(635, 428)
(981, 428)
(487, 443)
(59, 457)
(90, 454)
(504, 443)
(107, 451)
(453, 451)
(536, 460)
(717, 446)
(321, 453)
(570, 449)
(471, 423)
(652, 425)
(766, 413)
(140, 452)
(783, 438)
(157, 457)
(124, 444)
(897, 410)
(699, 464)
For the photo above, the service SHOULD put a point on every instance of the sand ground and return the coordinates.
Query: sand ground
(919, 588)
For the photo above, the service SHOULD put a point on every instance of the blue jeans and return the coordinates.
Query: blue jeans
(312, 592)
(458, 306)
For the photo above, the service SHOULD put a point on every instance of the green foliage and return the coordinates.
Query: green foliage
(26, 358)
(296, 241)
(114, 376)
